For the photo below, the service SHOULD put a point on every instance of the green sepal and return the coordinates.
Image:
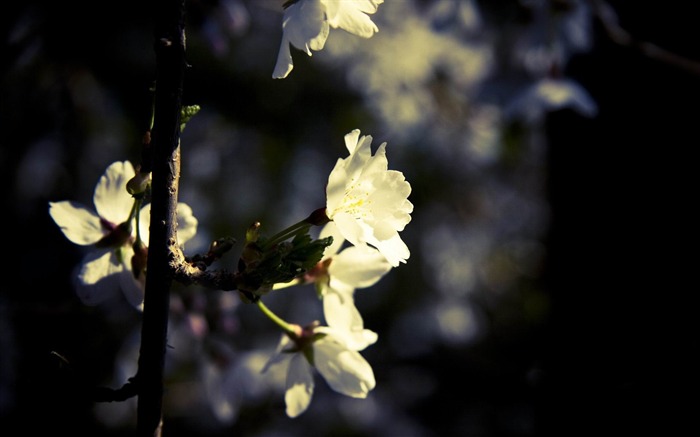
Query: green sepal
(261, 269)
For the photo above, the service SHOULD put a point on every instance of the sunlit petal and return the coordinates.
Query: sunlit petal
(112, 201)
(300, 386)
(98, 278)
(79, 224)
(345, 371)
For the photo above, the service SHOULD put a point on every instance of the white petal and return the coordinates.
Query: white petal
(358, 267)
(97, 265)
(345, 371)
(79, 224)
(305, 25)
(346, 322)
(111, 199)
(300, 385)
(352, 20)
(355, 163)
(132, 288)
(331, 230)
(394, 249)
(145, 223)
(98, 278)
(351, 140)
(335, 188)
(284, 64)
(340, 312)
(279, 356)
(351, 229)
(186, 223)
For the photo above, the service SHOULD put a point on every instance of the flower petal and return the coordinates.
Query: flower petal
(358, 267)
(345, 321)
(285, 63)
(393, 248)
(351, 17)
(98, 278)
(112, 201)
(300, 385)
(80, 225)
(351, 229)
(186, 223)
(132, 288)
(145, 223)
(331, 230)
(279, 356)
(345, 371)
(305, 25)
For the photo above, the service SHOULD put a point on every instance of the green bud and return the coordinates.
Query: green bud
(220, 246)
(253, 233)
(139, 183)
(318, 217)
(186, 114)
(261, 269)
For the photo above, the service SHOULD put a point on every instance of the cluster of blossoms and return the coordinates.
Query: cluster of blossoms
(117, 231)
(367, 205)
(366, 208)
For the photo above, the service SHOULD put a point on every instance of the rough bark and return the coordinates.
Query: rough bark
(163, 159)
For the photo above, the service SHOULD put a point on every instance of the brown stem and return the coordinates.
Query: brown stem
(608, 18)
(165, 146)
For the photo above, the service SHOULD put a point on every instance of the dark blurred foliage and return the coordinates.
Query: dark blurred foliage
(577, 322)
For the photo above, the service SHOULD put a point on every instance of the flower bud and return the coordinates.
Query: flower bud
(139, 183)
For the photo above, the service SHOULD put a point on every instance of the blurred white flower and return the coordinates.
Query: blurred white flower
(109, 230)
(306, 25)
(550, 94)
(369, 203)
(325, 349)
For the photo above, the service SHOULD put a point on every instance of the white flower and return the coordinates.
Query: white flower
(306, 24)
(339, 274)
(109, 230)
(548, 95)
(368, 202)
(343, 368)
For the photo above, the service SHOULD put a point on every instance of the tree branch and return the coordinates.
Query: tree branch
(165, 148)
(608, 18)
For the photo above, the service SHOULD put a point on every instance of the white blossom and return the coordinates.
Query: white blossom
(369, 203)
(109, 232)
(324, 349)
(306, 25)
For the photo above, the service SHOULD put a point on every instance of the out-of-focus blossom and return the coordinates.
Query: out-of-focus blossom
(550, 94)
(426, 92)
(369, 203)
(112, 263)
(556, 32)
(324, 349)
(306, 25)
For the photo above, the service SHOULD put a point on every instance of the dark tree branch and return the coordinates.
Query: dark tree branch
(165, 148)
(195, 272)
(608, 18)
(128, 390)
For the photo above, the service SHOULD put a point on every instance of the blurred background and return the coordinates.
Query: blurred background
(548, 144)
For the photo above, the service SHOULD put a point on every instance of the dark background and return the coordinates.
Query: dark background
(614, 354)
